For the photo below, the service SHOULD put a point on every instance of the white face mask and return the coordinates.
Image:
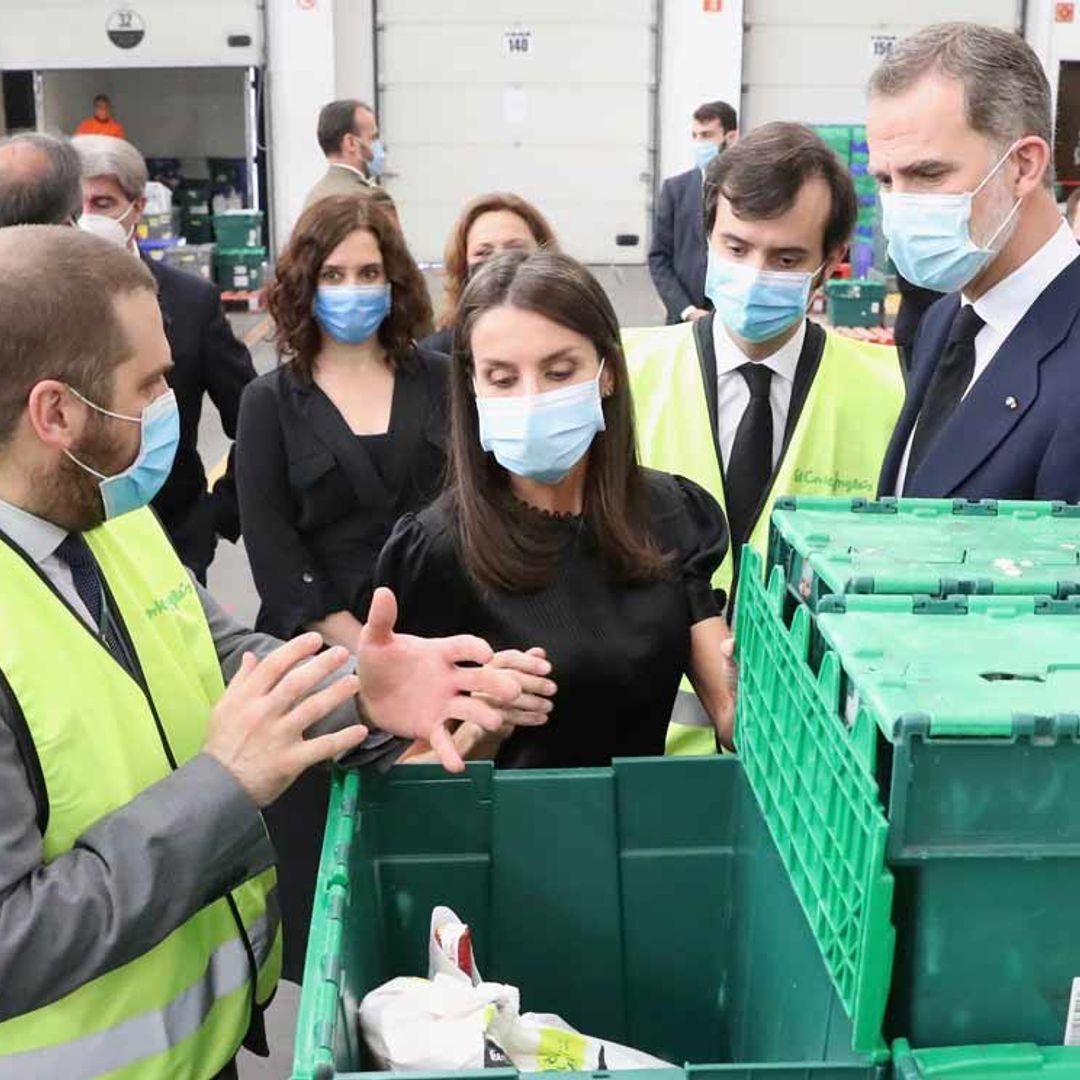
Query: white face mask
(109, 228)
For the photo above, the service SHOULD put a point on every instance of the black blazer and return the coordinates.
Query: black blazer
(679, 249)
(207, 359)
(1016, 435)
(314, 505)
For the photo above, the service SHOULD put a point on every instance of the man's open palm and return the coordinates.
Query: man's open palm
(414, 687)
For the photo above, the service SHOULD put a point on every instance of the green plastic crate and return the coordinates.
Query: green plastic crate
(238, 228)
(838, 138)
(962, 713)
(931, 547)
(1020, 1061)
(645, 903)
(239, 269)
(196, 226)
(855, 302)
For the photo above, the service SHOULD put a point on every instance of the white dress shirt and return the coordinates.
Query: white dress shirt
(733, 395)
(1003, 307)
(40, 539)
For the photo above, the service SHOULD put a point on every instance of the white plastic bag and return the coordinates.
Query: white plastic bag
(454, 1020)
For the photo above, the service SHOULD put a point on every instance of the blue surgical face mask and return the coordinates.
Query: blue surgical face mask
(351, 313)
(137, 485)
(705, 150)
(542, 437)
(757, 305)
(378, 158)
(930, 236)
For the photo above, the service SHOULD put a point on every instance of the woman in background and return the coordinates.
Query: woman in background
(490, 225)
(332, 447)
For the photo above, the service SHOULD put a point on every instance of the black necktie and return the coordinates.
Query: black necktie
(750, 464)
(948, 384)
(75, 552)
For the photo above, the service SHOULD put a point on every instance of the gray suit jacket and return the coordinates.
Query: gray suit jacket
(339, 180)
(138, 873)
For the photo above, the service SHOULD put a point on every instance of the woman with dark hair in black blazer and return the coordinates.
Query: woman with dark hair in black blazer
(333, 447)
(349, 432)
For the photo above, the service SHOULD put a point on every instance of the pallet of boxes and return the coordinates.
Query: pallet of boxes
(909, 722)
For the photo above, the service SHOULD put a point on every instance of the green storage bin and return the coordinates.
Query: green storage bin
(855, 302)
(931, 547)
(238, 228)
(239, 269)
(838, 138)
(196, 227)
(1008, 1062)
(960, 718)
(645, 903)
(193, 195)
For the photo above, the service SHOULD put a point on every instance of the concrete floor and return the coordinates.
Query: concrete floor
(636, 304)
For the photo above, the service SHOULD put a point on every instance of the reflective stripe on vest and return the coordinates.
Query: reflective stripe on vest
(838, 444)
(148, 1034)
(837, 447)
(102, 737)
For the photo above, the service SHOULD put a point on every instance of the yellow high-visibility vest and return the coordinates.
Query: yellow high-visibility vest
(836, 448)
(102, 736)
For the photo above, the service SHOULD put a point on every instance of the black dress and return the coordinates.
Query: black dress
(617, 650)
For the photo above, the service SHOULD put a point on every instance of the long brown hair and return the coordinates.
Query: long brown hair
(321, 228)
(457, 247)
(500, 542)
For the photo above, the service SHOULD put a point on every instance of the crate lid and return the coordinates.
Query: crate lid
(935, 547)
(980, 666)
(1007, 1061)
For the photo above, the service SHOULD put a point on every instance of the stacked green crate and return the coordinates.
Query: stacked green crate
(959, 718)
(192, 197)
(929, 547)
(240, 260)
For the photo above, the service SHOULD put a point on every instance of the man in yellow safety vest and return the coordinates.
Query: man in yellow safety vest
(139, 932)
(756, 401)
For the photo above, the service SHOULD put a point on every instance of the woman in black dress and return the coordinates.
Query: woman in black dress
(551, 536)
(347, 435)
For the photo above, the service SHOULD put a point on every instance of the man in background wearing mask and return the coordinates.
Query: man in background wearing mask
(959, 127)
(139, 931)
(755, 401)
(207, 357)
(349, 137)
(677, 255)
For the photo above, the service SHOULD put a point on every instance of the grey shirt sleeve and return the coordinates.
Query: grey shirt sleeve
(128, 882)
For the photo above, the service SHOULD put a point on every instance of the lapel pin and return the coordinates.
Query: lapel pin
(1011, 402)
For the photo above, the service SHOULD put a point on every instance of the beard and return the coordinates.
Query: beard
(68, 495)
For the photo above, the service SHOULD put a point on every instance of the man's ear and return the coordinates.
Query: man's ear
(56, 416)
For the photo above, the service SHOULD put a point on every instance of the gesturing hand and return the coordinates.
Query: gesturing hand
(413, 687)
(257, 727)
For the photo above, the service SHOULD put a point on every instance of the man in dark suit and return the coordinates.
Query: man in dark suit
(207, 357)
(959, 127)
(679, 249)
